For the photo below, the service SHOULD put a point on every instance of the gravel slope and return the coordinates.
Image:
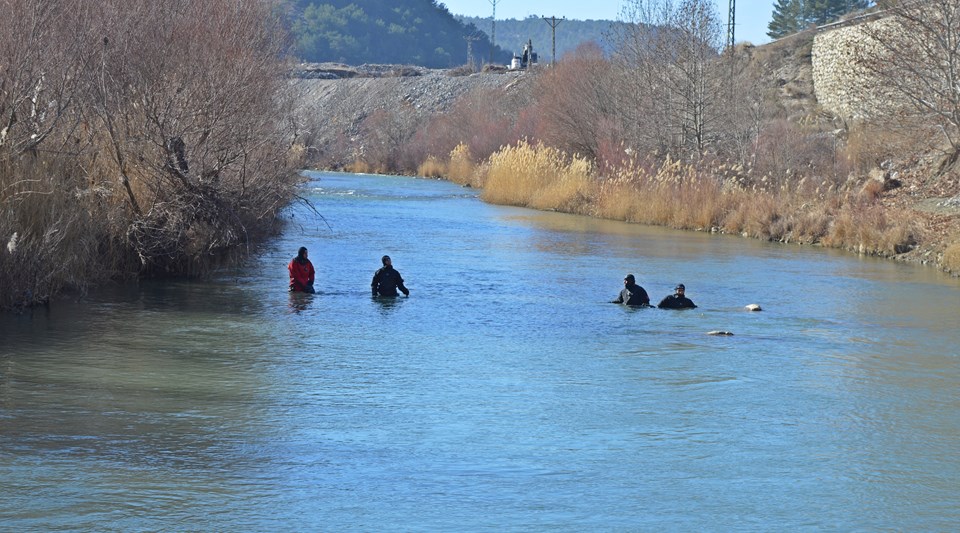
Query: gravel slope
(333, 109)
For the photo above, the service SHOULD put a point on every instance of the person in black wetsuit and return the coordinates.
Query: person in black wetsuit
(632, 294)
(386, 281)
(677, 300)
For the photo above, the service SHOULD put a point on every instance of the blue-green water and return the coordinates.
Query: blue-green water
(504, 394)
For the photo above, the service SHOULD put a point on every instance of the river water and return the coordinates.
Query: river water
(504, 394)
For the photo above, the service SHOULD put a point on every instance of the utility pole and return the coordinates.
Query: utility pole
(470, 39)
(731, 25)
(554, 22)
(493, 29)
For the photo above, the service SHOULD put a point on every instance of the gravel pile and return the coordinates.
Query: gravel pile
(335, 99)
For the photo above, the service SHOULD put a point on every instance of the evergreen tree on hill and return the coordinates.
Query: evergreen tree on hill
(786, 19)
(420, 32)
(791, 16)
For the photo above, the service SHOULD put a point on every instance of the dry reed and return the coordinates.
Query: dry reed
(539, 177)
(432, 168)
(951, 259)
(462, 169)
(705, 198)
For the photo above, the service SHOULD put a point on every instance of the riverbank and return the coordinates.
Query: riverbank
(860, 217)
(784, 171)
(150, 158)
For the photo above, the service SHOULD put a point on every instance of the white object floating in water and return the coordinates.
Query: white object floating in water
(722, 333)
(12, 245)
(754, 307)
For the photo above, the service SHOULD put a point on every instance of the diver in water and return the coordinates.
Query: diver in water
(386, 281)
(632, 294)
(677, 300)
(301, 273)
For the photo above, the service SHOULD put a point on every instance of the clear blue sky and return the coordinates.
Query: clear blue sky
(752, 15)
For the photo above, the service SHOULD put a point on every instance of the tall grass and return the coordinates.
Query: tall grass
(951, 258)
(55, 233)
(461, 168)
(540, 177)
(697, 197)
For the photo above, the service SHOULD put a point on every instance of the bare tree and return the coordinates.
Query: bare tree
(672, 74)
(579, 107)
(40, 61)
(189, 97)
(914, 55)
(388, 131)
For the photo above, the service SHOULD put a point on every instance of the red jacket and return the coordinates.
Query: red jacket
(301, 275)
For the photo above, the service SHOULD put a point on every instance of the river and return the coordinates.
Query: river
(505, 394)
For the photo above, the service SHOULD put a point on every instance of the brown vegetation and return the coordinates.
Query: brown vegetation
(136, 137)
(914, 55)
(951, 258)
(673, 130)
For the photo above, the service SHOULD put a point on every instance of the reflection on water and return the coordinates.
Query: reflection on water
(505, 393)
(300, 301)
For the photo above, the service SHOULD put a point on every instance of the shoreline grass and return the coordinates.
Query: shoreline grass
(717, 198)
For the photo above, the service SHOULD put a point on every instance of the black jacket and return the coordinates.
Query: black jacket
(676, 302)
(633, 295)
(386, 281)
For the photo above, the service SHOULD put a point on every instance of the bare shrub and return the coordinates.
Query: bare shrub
(462, 70)
(578, 104)
(872, 189)
(913, 56)
(136, 129)
(951, 258)
(870, 144)
(483, 119)
(359, 167)
(785, 152)
(673, 78)
(189, 97)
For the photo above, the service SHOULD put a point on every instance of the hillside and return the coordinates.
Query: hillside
(419, 32)
(336, 99)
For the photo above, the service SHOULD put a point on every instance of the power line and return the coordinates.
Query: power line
(731, 24)
(554, 22)
(493, 28)
(470, 39)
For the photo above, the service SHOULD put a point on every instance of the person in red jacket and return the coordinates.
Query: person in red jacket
(301, 273)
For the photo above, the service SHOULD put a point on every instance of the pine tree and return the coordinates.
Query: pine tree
(786, 18)
(791, 16)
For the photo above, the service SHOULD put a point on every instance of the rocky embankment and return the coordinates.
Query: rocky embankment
(335, 99)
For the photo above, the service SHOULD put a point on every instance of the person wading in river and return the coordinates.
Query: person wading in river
(677, 300)
(301, 273)
(386, 281)
(632, 294)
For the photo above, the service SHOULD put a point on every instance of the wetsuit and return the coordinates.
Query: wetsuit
(675, 301)
(386, 281)
(301, 275)
(633, 294)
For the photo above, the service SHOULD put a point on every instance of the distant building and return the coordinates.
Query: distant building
(525, 60)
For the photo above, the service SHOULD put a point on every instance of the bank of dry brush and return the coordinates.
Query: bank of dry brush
(137, 138)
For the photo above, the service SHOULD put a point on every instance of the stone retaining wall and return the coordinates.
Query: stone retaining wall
(843, 86)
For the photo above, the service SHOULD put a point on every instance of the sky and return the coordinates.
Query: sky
(752, 16)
